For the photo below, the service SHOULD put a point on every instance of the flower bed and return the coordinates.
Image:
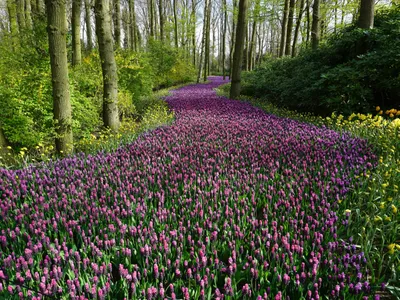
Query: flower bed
(228, 202)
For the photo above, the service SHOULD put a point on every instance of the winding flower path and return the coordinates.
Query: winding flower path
(227, 201)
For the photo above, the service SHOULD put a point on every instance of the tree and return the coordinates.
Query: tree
(89, 34)
(289, 27)
(315, 27)
(239, 47)
(108, 64)
(117, 23)
(56, 27)
(3, 141)
(76, 32)
(21, 14)
(175, 23)
(366, 17)
(203, 40)
(298, 23)
(161, 13)
(12, 16)
(284, 28)
(207, 42)
(225, 12)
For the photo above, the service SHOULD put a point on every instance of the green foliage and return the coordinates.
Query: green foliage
(170, 66)
(354, 70)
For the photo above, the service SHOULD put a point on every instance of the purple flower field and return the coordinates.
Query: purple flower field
(227, 203)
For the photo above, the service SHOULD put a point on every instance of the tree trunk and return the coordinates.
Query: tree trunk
(117, 23)
(89, 34)
(315, 28)
(151, 14)
(161, 13)
(297, 29)
(175, 24)
(56, 21)
(207, 45)
(28, 14)
(366, 18)
(289, 27)
(193, 18)
(203, 40)
(12, 16)
(108, 65)
(232, 39)
(3, 141)
(284, 28)
(21, 14)
(132, 29)
(225, 10)
(239, 45)
(76, 32)
(125, 28)
(308, 23)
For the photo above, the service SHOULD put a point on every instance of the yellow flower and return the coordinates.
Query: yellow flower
(9, 147)
(385, 185)
(394, 209)
(378, 108)
(381, 112)
(387, 219)
(347, 211)
(398, 113)
(395, 123)
(391, 115)
(391, 248)
(382, 206)
(378, 219)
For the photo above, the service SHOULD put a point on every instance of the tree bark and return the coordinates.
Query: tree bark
(21, 14)
(89, 33)
(315, 28)
(232, 39)
(225, 10)
(297, 29)
(151, 15)
(203, 40)
(28, 14)
(76, 32)
(3, 141)
(132, 29)
(284, 28)
(108, 65)
(117, 23)
(193, 20)
(175, 24)
(12, 16)
(289, 27)
(56, 27)
(239, 45)
(366, 17)
(207, 45)
(161, 13)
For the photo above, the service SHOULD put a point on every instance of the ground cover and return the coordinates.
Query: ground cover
(227, 202)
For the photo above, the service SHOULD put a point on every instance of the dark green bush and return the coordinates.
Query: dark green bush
(354, 70)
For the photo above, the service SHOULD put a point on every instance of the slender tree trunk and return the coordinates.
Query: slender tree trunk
(175, 24)
(232, 39)
(161, 13)
(56, 21)
(12, 17)
(203, 41)
(108, 65)
(151, 14)
(366, 17)
(207, 48)
(284, 28)
(28, 14)
(252, 44)
(315, 29)
(225, 11)
(239, 45)
(193, 18)
(117, 23)
(132, 28)
(125, 28)
(76, 32)
(308, 23)
(89, 33)
(289, 27)
(297, 29)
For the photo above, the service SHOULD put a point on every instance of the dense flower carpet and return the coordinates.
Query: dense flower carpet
(228, 202)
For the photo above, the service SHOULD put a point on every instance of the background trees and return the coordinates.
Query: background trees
(156, 43)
